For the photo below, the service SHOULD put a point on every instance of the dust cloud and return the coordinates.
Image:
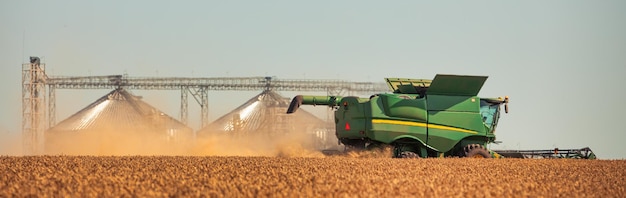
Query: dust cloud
(218, 143)
(10, 144)
(151, 141)
(257, 144)
(381, 152)
(298, 138)
(110, 142)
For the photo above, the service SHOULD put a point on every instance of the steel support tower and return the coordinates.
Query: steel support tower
(33, 106)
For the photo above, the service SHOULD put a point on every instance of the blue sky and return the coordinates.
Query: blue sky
(561, 62)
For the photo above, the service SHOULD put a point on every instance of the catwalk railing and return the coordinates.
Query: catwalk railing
(217, 83)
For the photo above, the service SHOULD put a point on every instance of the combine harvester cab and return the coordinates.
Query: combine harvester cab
(421, 118)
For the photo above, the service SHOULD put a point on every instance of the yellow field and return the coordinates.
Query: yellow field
(85, 176)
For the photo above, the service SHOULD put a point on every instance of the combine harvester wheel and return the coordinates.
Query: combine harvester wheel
(475, 151)
(409, 154)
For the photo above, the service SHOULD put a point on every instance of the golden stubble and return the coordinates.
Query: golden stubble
(236, 176)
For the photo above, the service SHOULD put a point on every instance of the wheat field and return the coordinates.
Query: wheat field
(343, 176)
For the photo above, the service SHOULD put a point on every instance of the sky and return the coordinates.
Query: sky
(561, 62)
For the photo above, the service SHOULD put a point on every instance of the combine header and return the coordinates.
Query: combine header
(583, 153)
(442, 117)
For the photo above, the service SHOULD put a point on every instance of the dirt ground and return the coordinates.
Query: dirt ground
(344, 176)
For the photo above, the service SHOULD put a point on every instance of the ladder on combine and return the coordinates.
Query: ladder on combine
(583, 153)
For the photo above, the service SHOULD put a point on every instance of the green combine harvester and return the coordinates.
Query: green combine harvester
(442, 117)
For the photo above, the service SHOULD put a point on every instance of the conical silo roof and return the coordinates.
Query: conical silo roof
(263, 113)
(118, 118)
(119, 110)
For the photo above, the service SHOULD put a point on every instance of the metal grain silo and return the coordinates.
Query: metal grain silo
(117, 123)
(265, 114)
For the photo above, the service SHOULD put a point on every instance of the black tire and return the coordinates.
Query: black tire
(475, 151)
(405, 151)
(409, 155)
